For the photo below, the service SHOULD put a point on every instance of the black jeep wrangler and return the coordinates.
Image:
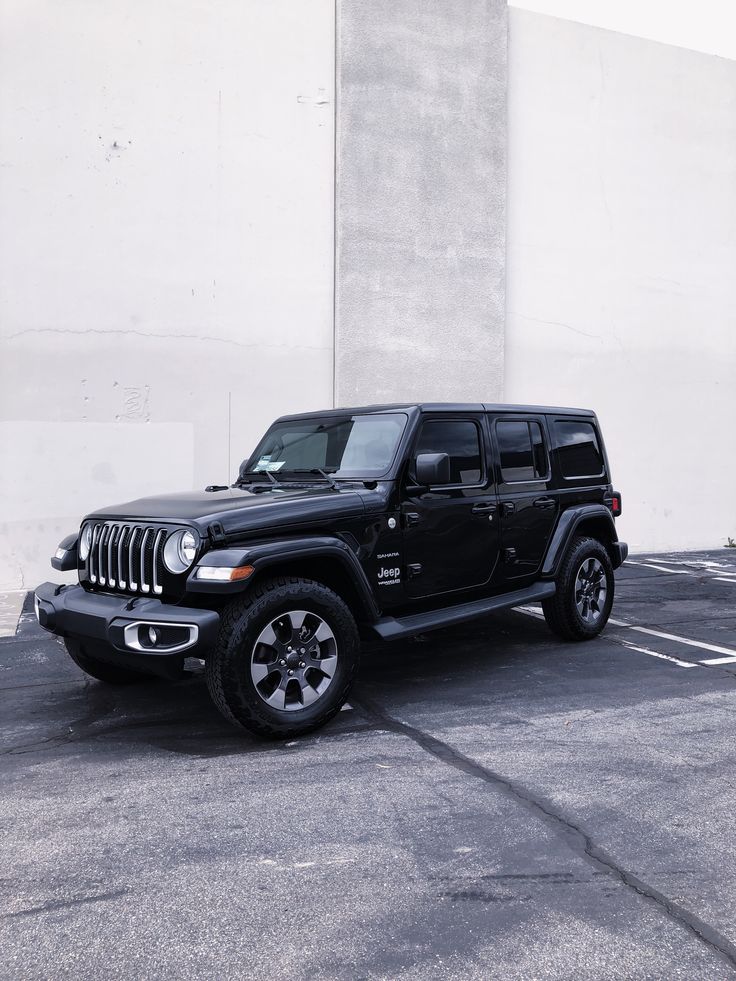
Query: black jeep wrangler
(349, 524)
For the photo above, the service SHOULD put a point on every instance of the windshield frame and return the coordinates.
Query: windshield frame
(291, 476)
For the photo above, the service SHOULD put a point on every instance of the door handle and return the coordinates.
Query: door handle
(545, 502)
(507, 507)
(484, 508)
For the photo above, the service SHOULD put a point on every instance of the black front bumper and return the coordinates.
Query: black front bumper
(119, 629)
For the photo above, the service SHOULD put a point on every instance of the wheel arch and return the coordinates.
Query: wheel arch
(327, 560)
(593, 520)
(323, 568)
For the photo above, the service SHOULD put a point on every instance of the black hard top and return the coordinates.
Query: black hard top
(442, 407)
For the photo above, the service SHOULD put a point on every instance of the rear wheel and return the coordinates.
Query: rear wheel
(285, 657)
(580, 608)
(82, 653)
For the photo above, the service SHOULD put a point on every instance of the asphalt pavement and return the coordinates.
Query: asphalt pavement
(494, 803)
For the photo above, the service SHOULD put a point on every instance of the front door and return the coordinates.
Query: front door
(451, 531)
(528, 505)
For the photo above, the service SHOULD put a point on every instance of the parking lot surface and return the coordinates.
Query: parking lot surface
(493, 804)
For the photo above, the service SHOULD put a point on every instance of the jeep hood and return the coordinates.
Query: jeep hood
(239, 509)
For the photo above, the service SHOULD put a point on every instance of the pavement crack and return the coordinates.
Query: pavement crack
(577, 838)
(56, 904)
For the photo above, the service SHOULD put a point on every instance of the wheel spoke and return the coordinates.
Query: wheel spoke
(323, 632)
(309, 694)
(296, 618)
(268, 636)
(259, 671)
(326, 665)
(278, 698)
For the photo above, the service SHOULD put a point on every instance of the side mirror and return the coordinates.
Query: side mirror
(433, 468)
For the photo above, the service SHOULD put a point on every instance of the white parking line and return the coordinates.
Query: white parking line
(659, 568)
(723, 579)
(530, 611)
(709, 566)
(534, 611)
(664, 657)
(686, 640)
(730, 657)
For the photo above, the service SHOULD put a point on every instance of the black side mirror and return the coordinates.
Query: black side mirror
(433, 468)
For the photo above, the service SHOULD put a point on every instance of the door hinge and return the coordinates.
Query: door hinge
(413, 570)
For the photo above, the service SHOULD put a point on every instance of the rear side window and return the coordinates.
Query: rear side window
(578, 449)
(522, 452)
(460, 439)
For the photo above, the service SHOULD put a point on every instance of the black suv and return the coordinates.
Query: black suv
(343, 525)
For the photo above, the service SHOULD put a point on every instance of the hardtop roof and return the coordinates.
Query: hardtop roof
(430, 407)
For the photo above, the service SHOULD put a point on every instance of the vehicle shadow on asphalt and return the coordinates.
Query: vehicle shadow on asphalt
(59, 706)
(504, 668)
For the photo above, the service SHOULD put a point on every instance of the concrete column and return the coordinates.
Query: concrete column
(420, 200)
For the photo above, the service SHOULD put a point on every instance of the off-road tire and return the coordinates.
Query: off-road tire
(228, 665)
(79, 652)
(560, 610)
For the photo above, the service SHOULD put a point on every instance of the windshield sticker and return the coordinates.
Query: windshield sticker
(266, 464)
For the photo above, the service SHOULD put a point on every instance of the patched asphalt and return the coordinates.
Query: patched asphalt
(494, 804)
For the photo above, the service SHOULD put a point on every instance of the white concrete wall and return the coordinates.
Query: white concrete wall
(166, 248)
(621, 293)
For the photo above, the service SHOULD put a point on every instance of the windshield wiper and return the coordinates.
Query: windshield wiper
(250, 477)
(318, 471)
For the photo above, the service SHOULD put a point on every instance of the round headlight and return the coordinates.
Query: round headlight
(85, 542)
(187, 547)
(180, 550)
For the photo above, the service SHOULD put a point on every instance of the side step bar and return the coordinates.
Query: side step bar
(392, 628)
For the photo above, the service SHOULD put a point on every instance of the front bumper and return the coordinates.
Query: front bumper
(135, 632)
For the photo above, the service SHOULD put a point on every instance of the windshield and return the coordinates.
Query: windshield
(346, 446)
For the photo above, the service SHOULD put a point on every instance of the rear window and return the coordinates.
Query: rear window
(578, 449)
(522, 452)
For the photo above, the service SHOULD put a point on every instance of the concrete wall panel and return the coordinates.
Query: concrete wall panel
(166, 245)
(421, 133)
(621, 258)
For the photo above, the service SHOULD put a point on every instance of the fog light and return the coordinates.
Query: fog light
(154, 636)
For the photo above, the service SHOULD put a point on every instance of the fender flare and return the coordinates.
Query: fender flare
(263, 555)
(570, 521)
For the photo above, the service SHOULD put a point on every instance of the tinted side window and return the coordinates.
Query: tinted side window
(460, 439)
(578, 449)
(522, 452)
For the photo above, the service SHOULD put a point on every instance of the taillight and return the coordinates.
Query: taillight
(616, 504)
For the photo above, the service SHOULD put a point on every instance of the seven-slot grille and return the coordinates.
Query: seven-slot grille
(126, 556)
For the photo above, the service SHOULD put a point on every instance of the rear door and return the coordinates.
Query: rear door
(450, 531)
(528, 503)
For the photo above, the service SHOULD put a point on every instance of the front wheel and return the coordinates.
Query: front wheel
(580, 608)
(285, 658)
